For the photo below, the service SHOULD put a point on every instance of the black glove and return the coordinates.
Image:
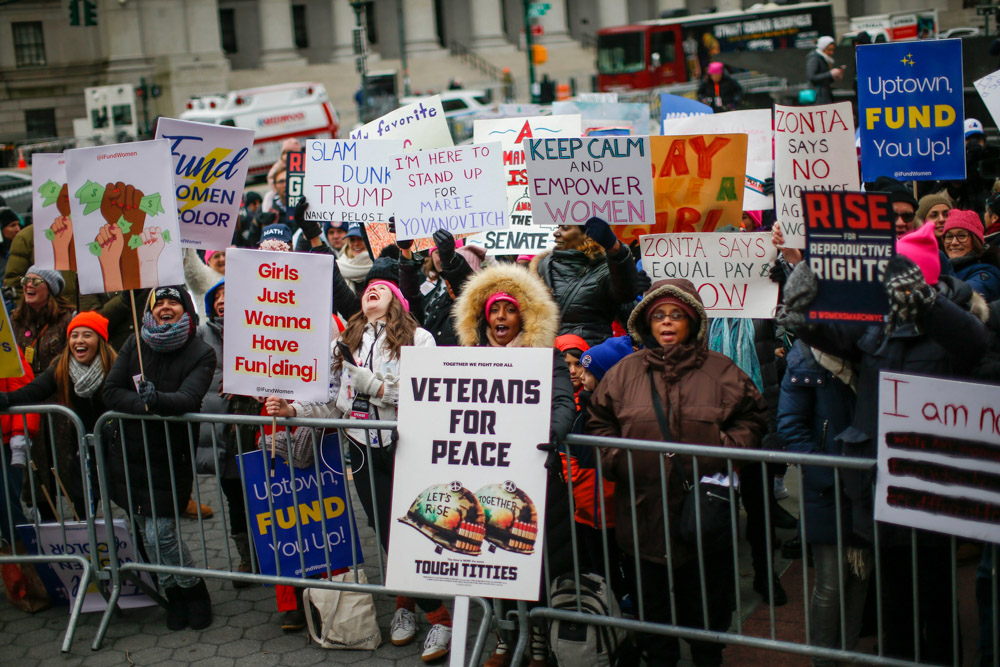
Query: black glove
(402, 245)
(909, 294)
(553, 447)
(310, 228)
(4, 401)
(800, 291)
(643, 282)
(777, 273)
(445, 242)
(601, 232)
(769, 186)
(147, 393)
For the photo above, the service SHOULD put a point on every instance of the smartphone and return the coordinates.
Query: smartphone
(345, 352)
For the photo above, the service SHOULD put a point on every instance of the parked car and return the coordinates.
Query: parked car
(961, 33)
(457, 102)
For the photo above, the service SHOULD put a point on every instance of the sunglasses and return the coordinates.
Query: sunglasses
(34, 282)
(907, 217)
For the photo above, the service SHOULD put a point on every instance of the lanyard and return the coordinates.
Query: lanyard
(371, 350)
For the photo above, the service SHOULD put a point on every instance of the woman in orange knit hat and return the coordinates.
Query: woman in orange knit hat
(74, 379)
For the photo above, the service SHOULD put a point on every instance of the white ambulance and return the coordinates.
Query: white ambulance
(275, 113)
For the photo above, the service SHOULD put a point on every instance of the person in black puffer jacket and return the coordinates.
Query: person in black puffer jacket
(176, 372)
(591, 276)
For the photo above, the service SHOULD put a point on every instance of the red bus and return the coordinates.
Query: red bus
(664, 51)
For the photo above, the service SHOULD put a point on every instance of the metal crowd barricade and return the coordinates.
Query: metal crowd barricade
(224, 569)
(735, 635)
(47, 479)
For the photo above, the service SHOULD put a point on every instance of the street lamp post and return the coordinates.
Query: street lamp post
(527, 47)
(361, 52)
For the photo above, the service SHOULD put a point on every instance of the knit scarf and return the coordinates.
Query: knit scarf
(733, 337)
(86, 379)
(519, 339)
(828, 59)
(165, 337)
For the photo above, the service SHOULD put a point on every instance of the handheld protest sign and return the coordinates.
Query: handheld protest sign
(210, 169)
(813, 150)
(467, 518)
(458, 189)
(939, 456)
(850, 238)
(698, 181)
(756, 124)
(730, 271)
(295, 174)
(124, 216)
(626, 118)
(911, 110)
(54, 248)
(571, 180)
(277, 333)
(676, 106)
(523, 236)
(989, 90)
(10, 357)
(420, 125)
(348, 180)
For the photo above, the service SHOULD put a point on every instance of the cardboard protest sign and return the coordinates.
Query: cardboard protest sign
(468, 515)
(277, 333)
(572, 180)
(989, 91)
(631, 117)
(349, 180)
(124, 216)
(50, 205)
(850, 238)
(939, 456)
(295, 174)
(675, 106)
(911, 110)
(10, 358)
(420, 125)
(318, 508)
(523, 236)
(698, 181)
(457, 189)
(756, 124)
(62, 580)
(730, 271)
(813, 150)
(210, 169)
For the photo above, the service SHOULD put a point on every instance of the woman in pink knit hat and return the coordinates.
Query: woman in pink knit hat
(974, 262)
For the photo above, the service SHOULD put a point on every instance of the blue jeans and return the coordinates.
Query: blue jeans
(11, 511)
(164, 547)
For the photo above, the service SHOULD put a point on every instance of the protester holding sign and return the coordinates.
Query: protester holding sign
(167, 373)
(936, 328)
(708, 400)
(365, 385)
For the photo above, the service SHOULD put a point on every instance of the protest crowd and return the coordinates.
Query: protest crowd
(636, 355)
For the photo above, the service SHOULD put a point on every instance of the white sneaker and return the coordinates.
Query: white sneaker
(780, 492)
(437, 644)
(403, 628)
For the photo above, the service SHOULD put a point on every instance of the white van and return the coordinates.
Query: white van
(275, 113)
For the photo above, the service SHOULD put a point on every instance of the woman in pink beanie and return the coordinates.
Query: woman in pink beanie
(974, 262)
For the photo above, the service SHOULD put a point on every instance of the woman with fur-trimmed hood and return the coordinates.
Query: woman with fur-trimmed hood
(508, 306)
(705, 399)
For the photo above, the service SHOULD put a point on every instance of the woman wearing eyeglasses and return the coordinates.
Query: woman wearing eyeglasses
(975, 263)
(674, 390)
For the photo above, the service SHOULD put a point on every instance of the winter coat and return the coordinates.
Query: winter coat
(433, 310)
(116, 307)
(209, 451)
(581, 467)
(730, 93)
(539, 321)
(818, 74)
(14, 424)
(708, 400)
(48, 340)
(181, 378)
(588, 288)
(199, 278)
(981, 273)
(951, 341)
(20, 259)
(814, 407)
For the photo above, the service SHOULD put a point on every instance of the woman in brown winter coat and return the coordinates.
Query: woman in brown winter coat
(707, 400)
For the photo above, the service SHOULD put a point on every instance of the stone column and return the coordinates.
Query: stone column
(343, 31)
(486, 18)
(421, 35)
(277, 46)
(554, 24)
(122, 32)
(611, 14)
(671, 4)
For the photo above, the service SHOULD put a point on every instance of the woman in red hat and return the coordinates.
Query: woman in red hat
(74, 379)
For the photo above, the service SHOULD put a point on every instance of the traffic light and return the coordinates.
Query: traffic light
(539, 54)
(89, 12)
(74, 12)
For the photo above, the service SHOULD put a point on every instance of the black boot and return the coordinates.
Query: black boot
(760, 586)
(295, 619)
(199, 606)
(177, 613)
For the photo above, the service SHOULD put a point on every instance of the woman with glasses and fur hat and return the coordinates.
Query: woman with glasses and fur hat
(175, 371)
(705, 399)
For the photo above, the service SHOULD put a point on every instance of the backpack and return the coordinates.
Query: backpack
(585, 644)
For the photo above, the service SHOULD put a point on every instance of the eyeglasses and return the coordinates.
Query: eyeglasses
(674, 315)
(961, 237)
(34, 282)
(907, 217)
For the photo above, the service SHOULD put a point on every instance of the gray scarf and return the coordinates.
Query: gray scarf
(86, 379)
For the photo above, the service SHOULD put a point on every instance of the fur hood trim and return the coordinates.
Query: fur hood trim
(539, 314)
(678, 288)
(979, 307)
(590, 248)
